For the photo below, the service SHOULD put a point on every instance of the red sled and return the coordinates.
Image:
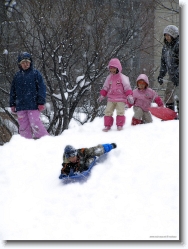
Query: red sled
(163, 113)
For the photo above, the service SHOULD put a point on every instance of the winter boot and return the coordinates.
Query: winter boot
(114, 145)
(119, 128)
(108, 122)
(136, 121)
(106, 128)
(120, 121)
(170, 106)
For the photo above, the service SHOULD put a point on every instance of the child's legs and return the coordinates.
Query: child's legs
(147, 118)
(36, 124)
(108, 119)
(120, 108)
(110, 107)
(24, 124)
(138, 112)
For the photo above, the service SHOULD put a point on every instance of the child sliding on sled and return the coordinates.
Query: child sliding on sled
(118, 91)
(143, 97)
(78, 160)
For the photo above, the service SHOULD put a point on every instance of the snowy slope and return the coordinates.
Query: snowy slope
(132, 195)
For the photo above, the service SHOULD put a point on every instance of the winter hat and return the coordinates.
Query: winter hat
(171, 30)
(24, 56)
(70, 151)
(115, 63)
(143, 77)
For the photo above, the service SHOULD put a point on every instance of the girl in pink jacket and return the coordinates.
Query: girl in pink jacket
(143, 97)
(118, 91)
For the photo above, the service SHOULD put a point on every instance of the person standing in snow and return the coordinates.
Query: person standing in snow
(170, 65)
(143, 97)
(78, 160)
(118, 91)
(27, 98)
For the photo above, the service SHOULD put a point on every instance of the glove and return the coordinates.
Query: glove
(175, 81)
(130, 99)
(100, 99)
(41, 108)
(114, 145)
(160, 80)
(158, 101)
(71, 172)
(62, 175)
(13, 109)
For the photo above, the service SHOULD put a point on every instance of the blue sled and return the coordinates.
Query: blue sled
(82, 176)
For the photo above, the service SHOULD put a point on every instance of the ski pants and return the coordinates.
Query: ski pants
(142, 115)
(30, 125)
(111, 106)
(171, 93)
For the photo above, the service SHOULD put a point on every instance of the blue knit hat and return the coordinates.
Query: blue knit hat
(24, 56)
(70, 151)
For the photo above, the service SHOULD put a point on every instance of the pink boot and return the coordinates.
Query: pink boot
(136, 121)
(108, 122)
(120, 121)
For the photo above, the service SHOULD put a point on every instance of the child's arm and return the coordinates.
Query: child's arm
(104, 90)
(127, 89)
(41, 95)
(158, 101)
(105, 87)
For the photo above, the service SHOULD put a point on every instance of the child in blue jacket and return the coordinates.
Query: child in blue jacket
(27, 98)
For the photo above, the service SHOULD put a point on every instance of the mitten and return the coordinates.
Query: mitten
(62, 175)
(71, 172)
(160, 80)
(41, 108)
(159, 101)
(130, 99)
(100, 99)
(13, 109)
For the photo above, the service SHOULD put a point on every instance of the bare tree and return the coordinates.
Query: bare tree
(170, 6)
(71, 43)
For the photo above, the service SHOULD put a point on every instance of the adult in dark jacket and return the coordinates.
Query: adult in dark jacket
(27, 98)
(170, 65)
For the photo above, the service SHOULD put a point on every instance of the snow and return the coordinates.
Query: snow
(80, 81)
(9, 168)
(132, 195)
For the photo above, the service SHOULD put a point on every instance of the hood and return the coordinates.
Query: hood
(115, 63)
(143, 77)
(171, 30)
(24, 55)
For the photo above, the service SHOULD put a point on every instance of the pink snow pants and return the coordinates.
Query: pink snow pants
(30, 125)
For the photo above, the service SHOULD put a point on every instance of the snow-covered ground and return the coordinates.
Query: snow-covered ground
(132, 195)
